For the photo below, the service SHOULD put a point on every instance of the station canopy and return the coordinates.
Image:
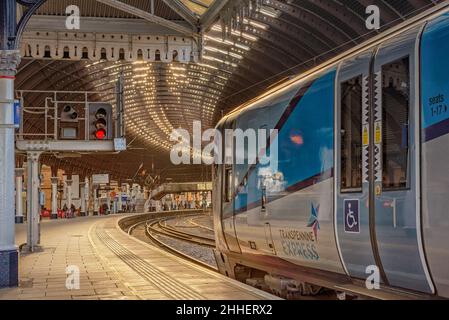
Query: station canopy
(249, 45)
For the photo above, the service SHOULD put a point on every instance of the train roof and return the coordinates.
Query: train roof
(369, 44)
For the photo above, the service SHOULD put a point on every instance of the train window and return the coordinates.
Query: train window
(395, 123)
(228, 184)
(351, 135)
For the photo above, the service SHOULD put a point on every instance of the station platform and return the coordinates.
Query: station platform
(114, 266)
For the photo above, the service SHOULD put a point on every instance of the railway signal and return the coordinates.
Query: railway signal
(69, 123)
(101, 123)
(69, 114)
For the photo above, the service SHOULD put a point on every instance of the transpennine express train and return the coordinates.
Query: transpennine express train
(360, 191)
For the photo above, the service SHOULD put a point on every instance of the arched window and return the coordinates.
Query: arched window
(103, 54)
(47, 53)
(28, 51)
(158, 55)
(139, 55)
(85, 54)
(66, 53)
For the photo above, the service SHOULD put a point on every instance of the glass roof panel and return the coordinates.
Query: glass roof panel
(198, 6)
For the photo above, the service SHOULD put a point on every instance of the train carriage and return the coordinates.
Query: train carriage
(361, 181)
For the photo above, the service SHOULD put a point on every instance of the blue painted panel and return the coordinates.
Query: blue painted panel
(435, 156)
(263, 116)
(304, 144)
(306, 141)
(354, 239)
(396, 211)
(435, 74)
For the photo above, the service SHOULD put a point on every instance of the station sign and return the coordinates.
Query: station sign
(17, 109)
(100, 179)
(120, 144)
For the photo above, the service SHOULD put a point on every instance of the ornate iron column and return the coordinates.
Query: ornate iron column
(9, 59)
(10, 31)
(33, 207)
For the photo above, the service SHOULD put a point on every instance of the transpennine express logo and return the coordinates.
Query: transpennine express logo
(313, 220)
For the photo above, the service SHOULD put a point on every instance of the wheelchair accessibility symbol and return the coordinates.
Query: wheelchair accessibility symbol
(352, 216)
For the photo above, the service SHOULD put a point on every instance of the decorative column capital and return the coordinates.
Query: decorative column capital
(20, 172)
(54, 171)
(69, 183)
(33, 156)
(9, 60)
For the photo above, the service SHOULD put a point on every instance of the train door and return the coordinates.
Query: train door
(378, 176)
(228, 185)
(218, 191)
(435, 156)
(396, 164)
(265, 177)
(265, 218)
(354, 235)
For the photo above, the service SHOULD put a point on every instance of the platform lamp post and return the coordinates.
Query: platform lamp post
(108, 198)
(69, 183)
(82, 183)
(61, 190)
(54, 192)
(86, 194)
(19, 190)
(95, 199)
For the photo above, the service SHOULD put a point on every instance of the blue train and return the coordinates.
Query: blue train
(360, 191)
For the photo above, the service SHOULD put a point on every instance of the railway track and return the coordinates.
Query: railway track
(156, 229)
(160, 226)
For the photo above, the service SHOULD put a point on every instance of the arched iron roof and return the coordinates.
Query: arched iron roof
(275, 40)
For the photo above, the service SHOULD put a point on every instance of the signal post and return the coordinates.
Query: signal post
(72, 128)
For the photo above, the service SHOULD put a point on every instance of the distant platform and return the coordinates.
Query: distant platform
(114, 266)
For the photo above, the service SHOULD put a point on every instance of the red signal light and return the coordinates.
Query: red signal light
(101, 124)
(100, 134)
(100, 121)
